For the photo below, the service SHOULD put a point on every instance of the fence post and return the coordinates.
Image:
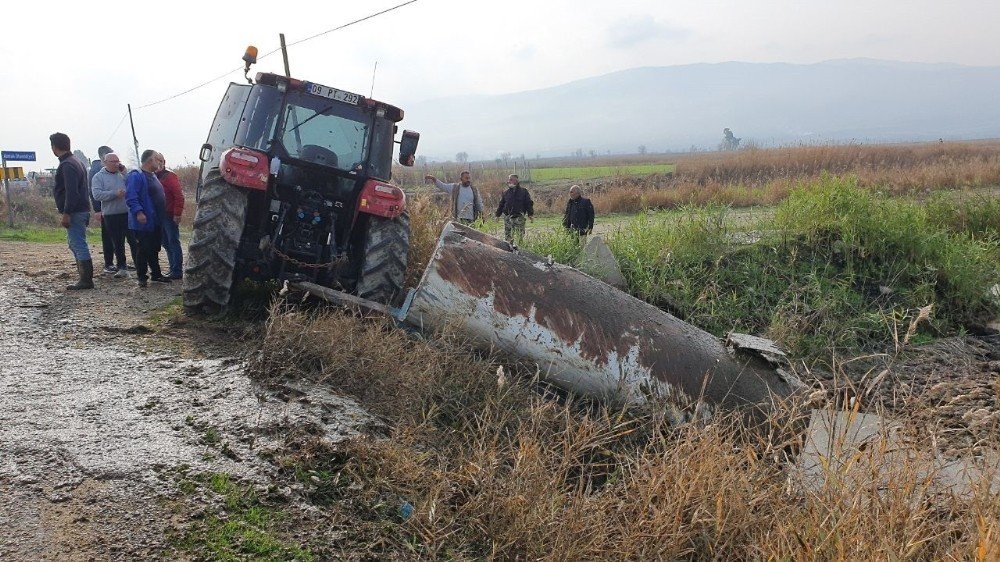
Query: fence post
(6, 188)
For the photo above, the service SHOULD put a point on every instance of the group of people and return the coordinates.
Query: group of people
(516, 206)
(140, 208)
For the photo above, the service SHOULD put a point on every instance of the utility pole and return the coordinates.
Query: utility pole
(135, 140)
(284, 54)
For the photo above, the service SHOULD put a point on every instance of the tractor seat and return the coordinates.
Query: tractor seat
(318, 155)
(326, 182)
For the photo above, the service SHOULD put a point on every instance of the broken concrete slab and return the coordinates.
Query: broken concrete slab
(598, 261)
(860, 451)
(836, 439)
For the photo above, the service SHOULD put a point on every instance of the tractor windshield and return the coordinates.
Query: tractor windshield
(325, 132)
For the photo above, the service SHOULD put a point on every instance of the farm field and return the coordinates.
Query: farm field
(581, 173)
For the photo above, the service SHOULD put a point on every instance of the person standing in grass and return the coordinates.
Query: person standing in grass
(146, 211)
(107, 186)
(466, 206)
(73, 203)
(174, 198)
(579, 215)
(515, 206)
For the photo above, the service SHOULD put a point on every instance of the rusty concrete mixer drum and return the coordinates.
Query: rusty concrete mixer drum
(584, 335)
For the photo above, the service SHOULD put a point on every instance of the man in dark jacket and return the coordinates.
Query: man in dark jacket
(146, 211)
(73, 202)
(106, 243)
(515, 205)
(579, 215)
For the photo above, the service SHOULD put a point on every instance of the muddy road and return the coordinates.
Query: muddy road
(103, 394)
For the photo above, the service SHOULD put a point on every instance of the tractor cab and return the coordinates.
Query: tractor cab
(314, 164)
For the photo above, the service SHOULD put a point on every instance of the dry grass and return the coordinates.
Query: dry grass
(766, 176)
(188, 176)
(427, 217)
(30, 208)
(495, 470)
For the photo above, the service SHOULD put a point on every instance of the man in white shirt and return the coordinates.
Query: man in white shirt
(466, 206)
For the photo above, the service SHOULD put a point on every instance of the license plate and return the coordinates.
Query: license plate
(332, 93)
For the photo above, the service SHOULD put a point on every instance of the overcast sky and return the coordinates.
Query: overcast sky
(73, 67)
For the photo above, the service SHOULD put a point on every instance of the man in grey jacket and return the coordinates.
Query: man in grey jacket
(108, 187)
(466, 206)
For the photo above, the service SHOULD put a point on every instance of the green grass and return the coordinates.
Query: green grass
(244, 528)
(595, 172)
(37, 234)
(836, 268)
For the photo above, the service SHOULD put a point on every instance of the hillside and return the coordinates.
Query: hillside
(673, 108)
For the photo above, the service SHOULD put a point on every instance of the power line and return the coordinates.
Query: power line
(396, 7)
(188, 91)
(269, 53)
(118, 126)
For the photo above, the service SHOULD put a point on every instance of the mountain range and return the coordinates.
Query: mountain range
(675, 108)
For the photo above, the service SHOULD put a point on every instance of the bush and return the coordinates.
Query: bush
(834, 268)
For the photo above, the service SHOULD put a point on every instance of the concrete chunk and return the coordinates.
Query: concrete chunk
(598, 261)
(854, 451)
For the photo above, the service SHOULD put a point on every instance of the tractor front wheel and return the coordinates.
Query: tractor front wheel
(211, 258)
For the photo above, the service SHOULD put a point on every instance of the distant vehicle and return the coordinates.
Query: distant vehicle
(20, 185)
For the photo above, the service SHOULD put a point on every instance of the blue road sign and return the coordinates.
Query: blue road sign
(15, 156)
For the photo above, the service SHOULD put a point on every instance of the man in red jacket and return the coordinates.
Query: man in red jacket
(174, 195)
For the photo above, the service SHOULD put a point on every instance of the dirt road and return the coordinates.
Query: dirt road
(100, 400)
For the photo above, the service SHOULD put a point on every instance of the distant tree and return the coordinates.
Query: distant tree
(642, 149)
(593, 153)
(730, 141)
(462, 157)
(505, 156)
(422, 161)
(578, 153)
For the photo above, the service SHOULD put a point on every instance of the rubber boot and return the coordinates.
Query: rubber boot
(86, 270)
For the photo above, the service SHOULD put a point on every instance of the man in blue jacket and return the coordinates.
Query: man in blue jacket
(73, 203)
(146, 210)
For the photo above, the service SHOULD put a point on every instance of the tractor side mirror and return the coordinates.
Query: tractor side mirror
(206, 152)
(408, 147)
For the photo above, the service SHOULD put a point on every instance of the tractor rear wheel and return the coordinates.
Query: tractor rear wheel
(218, 226)
(383, 261)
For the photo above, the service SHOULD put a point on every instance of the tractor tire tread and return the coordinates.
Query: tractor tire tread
(383, 265)
(211, 256)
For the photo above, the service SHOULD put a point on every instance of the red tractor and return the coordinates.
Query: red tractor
(294, 186)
